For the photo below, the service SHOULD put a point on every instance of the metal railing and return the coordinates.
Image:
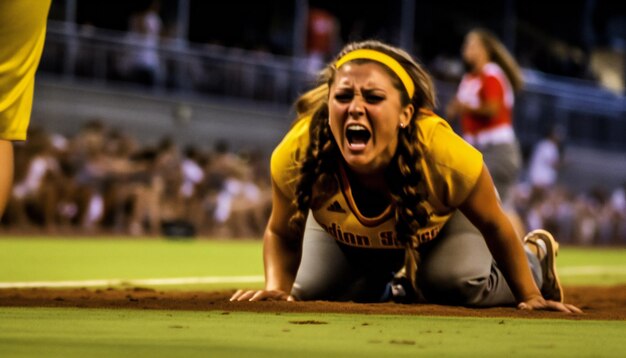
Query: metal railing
(591, 115)
(108, 57)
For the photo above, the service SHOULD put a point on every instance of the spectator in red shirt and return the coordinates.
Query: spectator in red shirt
(322, 38)
(484, 103)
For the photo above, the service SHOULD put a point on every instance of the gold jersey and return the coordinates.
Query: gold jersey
(22, 34)
(450, 168)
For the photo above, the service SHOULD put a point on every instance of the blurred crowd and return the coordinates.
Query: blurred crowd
(593, 217)
(103, 181)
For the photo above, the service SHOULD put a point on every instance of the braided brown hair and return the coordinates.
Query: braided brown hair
(404, 176)
(317, 169)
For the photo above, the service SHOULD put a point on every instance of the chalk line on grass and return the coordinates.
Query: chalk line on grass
(564, 271)
(592, 270)
(134, 282)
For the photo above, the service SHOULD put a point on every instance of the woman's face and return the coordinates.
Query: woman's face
(365, 113)
(473, 49)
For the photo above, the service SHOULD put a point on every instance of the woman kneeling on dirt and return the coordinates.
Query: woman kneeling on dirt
(375, 198)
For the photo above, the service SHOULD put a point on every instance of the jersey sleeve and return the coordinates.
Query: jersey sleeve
(452, 166)
(287, 156)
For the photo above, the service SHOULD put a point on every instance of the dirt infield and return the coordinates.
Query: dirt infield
(598, 303)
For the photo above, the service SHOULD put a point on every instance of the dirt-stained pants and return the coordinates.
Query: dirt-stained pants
(456, 268)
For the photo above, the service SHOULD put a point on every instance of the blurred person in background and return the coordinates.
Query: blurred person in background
(157, 196)
(618, 213)
(232, 206)
(192, 178)
(375, 198)
(90, 166)
(542, 176)
(37, 189)
(545, 161)
(22, 35)
(609, 218)
(484, 103)
(588, 208)
(322, 39)
(143, 63)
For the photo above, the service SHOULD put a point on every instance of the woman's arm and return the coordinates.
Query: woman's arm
(483, 210)
(486, 110)
(282, 251)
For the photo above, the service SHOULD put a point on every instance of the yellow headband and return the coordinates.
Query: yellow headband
(386, 60)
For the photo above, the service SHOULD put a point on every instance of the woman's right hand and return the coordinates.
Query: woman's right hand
(454, 109)
(261, 295)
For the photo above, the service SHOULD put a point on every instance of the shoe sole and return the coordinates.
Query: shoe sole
(552, 249)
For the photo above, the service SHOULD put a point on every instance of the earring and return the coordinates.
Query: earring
(401, 125)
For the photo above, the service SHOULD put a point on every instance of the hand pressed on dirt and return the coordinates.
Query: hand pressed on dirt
(261, 295)
(539, 303)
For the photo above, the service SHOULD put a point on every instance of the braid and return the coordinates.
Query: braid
(316, 171)
(406, 184)
(407, 187)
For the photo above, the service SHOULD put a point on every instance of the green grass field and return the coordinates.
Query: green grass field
(69, 332)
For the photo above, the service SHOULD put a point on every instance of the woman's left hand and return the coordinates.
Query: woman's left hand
(261, 295)
(539, 303)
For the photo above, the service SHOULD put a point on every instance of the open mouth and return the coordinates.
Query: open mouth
(358, 136)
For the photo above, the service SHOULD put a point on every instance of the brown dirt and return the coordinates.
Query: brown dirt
(598, 303)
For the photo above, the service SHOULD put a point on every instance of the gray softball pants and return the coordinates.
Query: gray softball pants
(456, 268)
(504, 162)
